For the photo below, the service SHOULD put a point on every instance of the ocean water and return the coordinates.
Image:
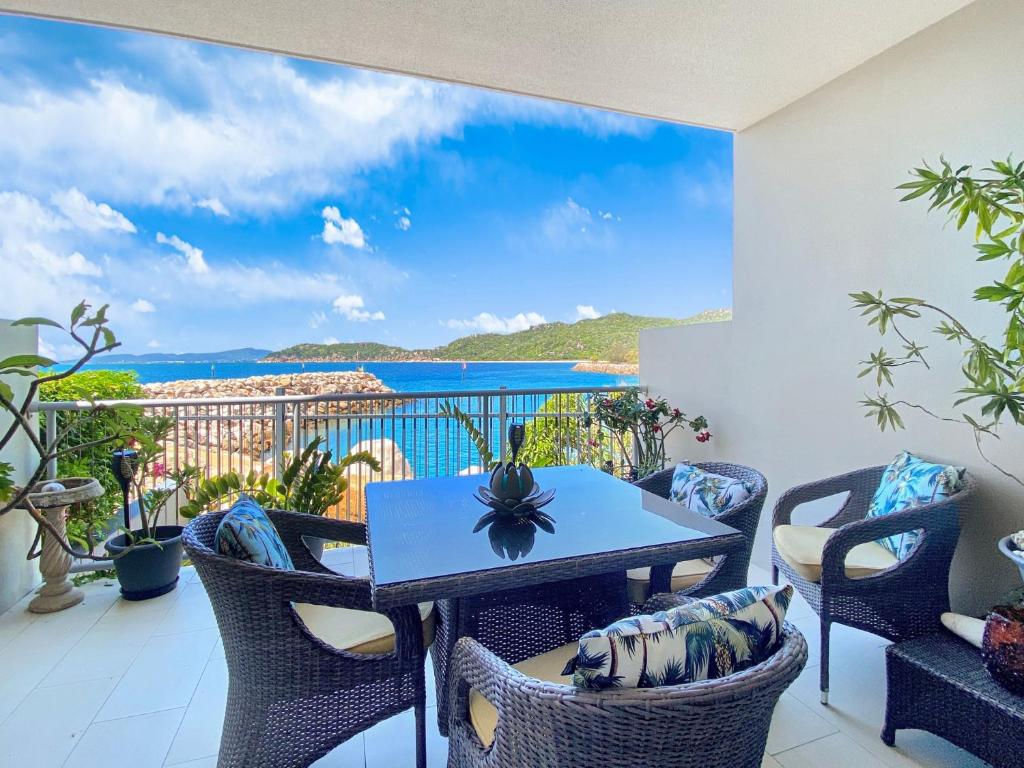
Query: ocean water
(401, 377)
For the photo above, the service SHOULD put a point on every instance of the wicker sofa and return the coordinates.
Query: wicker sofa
(901, 600)
(507, 717)
(699, 578)
(292, 697)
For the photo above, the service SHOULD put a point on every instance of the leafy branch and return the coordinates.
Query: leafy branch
(994, 372)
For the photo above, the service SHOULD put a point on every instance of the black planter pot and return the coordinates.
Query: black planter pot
(148, 570)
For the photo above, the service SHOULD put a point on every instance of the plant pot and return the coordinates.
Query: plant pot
(1008, 548)
(1002, 647)
(148, 570)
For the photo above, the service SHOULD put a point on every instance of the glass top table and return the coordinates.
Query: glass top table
(422, 545)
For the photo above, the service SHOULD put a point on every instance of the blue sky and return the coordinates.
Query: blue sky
(219, 198)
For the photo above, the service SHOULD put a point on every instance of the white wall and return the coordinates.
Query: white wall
(816, 217)
(17, 575)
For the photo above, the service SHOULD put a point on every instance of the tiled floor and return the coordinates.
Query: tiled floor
(142, 685)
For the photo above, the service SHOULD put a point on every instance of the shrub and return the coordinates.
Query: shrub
(92, 386)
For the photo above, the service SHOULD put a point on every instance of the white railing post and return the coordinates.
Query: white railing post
(278, 433)
(502, 424)
(51, 435)
(296, 428)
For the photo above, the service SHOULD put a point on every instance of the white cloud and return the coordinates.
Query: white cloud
(403, 223)
(193, 256)
(88, 215)
(351, 307)
(153, 344)
(255, 134)
(331, 340)
(338, 229)
(214, 205)
(606, 215)
(586, 312)
(317, 319)
(485, 322)
(142, 306)
(570, 224)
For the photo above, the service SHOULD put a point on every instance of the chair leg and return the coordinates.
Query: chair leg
(824, 661)
(420, 712)
(775, 574)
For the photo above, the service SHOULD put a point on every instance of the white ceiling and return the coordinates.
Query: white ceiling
(722, 63)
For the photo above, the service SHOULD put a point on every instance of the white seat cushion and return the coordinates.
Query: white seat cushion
(684, 575)
(802, 545)
(358, 631)
(547, 666)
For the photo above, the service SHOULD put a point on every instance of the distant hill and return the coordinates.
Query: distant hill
(245, 355)
(611, 338)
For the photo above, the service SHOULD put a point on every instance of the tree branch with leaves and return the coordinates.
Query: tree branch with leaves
(993, 372)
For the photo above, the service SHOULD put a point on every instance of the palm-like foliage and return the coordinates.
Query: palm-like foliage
(311, 482)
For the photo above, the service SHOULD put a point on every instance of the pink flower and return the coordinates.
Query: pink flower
(656, 428)
(159, 470)
(592, 443)
(703, 436)
(676, 413)
(651, 405)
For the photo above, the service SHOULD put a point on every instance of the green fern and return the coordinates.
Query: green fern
(475, 435)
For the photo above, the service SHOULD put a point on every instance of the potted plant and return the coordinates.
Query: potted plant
(638, 427)
(47, 502)
(311, 482)
(993, 372)
(147, 559)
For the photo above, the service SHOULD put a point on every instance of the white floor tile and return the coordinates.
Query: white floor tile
(199, 734)
(769, 762)
(191, 611)
(163, 676)
(129, 742)
(393, 742)
(205, 762)
(794, 724)
(835, 751)
(64, 712)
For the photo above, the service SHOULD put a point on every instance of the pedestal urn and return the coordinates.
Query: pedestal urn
(52, 498)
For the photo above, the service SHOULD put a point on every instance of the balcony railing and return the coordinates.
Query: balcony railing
(408, 432)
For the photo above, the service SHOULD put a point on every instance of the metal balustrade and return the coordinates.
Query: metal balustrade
(406, 431)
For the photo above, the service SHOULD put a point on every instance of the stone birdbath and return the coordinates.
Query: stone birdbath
(52, 498)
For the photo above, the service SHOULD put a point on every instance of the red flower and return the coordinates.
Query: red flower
(656, 428)
(607, 403)
(592, 443)
(651, 404)
(159, 470)
(676, 413)
(703, 436)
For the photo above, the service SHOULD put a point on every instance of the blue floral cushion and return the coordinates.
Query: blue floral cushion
(702, 640)
(910, 482)
(705, 492)
(246, 533)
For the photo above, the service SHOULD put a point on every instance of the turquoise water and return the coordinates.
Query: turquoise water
(401, 377)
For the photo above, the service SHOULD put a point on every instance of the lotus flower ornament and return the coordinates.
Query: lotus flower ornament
(512, 491)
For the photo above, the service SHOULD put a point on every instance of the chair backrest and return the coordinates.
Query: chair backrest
(709, 724)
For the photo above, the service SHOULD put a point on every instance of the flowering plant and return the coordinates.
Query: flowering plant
(639, 425)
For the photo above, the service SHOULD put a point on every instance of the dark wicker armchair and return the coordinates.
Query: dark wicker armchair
(291, 697)
(700, 578)
(904, 599)
(533, 722)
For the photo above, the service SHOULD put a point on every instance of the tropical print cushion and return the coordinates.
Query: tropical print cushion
(705, 492)
(910, 482)
(246, 533)
(703, 640)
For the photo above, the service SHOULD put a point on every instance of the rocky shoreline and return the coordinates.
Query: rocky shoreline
(315, 383)
(596, 366)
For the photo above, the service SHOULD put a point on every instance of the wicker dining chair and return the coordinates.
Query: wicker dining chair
(902, 600)
(700, 578)
(524, 720)
(292, 697)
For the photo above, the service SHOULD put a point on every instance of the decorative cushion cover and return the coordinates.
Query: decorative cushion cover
(907, 483)
(703, 640)
(705, 492)
(802, 547)
(246, 533)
